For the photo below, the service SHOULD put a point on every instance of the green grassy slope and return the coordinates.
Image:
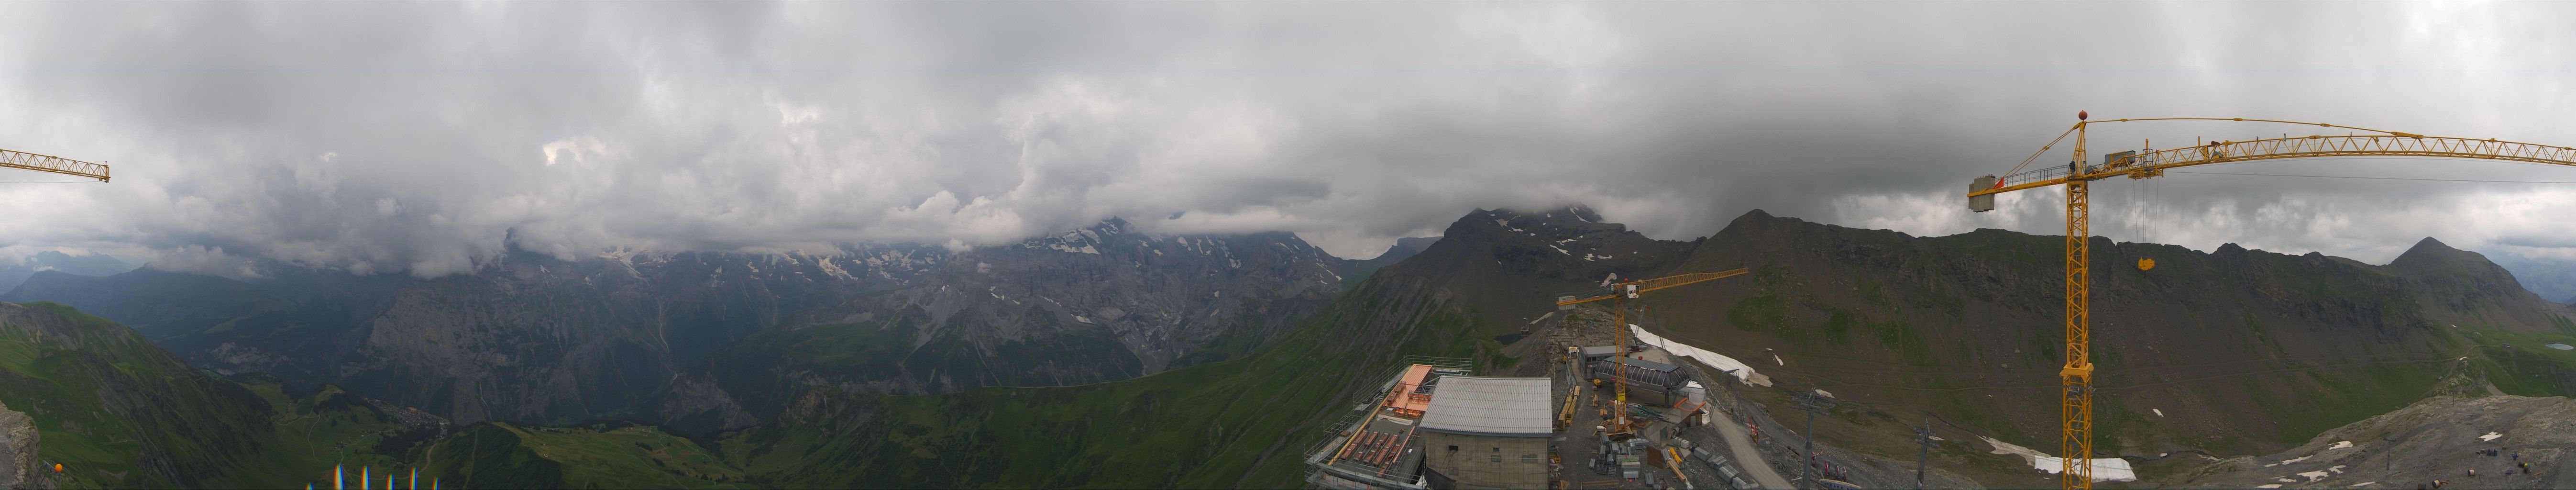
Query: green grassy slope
(1240, 422)
(502, 455)
(118, 412)
(2239, 350)
(2232, 351)
(1243, 422)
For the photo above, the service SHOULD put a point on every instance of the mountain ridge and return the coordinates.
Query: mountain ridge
(2232, 351)
(537, 339)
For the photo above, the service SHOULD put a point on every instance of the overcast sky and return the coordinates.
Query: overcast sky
(429, 137)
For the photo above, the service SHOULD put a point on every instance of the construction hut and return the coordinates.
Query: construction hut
(1690, 406)
(1649, 382)
(1487, 432)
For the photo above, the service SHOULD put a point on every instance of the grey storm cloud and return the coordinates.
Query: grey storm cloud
(429, 138)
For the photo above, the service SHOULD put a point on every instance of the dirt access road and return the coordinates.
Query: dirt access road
(1750, 459)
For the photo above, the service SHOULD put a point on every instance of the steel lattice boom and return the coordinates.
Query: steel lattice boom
(54, 164)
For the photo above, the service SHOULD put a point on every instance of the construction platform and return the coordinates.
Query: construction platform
(1432, 424)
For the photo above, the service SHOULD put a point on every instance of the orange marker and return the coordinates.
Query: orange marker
(58, 467)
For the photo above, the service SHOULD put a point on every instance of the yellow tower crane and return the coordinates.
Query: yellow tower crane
(2075, 442)
(1618, 294)
(54, 164)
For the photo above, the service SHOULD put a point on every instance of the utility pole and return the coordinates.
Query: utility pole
(1923, 456)
(1813, 405)
(2388, 454)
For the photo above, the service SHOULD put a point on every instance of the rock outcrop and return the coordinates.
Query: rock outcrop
(2438, 438)
(18, 447)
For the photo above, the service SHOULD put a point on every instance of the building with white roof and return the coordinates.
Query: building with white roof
(1487, 432)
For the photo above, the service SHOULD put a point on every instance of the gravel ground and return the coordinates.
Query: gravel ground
(1780, 445)
(2438, 438)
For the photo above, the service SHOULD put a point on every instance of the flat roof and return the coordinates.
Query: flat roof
(1387, 454)
(1407, 396)
(1490, 406)
(1647, 365)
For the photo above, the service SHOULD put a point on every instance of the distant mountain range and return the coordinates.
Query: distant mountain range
(2553, 279)
(718, 340)
(2234, 351)
(79, 265)
(1106, 357)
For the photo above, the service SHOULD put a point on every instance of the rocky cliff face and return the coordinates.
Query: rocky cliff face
(1098, 304)
(536, 338)
(19, 443)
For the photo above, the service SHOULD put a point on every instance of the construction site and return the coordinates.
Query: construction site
(1435, 424)
(1337, 245)
(1617, 405)
(1615, 409)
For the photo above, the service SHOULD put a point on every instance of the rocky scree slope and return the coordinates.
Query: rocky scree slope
(2441, 437)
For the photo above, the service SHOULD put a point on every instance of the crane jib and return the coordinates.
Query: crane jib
(53, 164)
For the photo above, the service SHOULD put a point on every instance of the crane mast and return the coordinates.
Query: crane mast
(2075, 407)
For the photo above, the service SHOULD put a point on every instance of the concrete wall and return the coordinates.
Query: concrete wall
(1487, 462)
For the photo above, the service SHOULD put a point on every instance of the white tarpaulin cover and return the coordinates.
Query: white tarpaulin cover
(2104, 469)
(1721, 362)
